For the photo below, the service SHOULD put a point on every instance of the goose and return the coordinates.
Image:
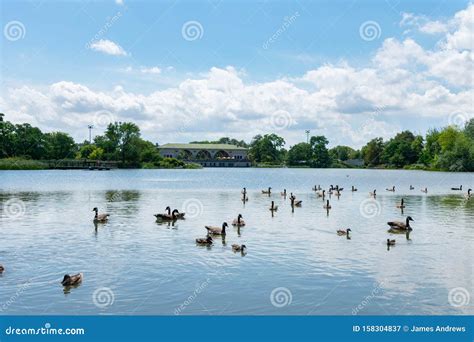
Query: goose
(267, 192)
(327, 205)
(71, 280)
(294, 202)
(178, 214)
(401, 205)
(353, 189)
(412, 187)
(341, 232)
(238, 248)
(337, 193)
(468, 195)
(392, 189)
(322, 194)
(390, 242)
(284, 193)
(273, 207)
(2, 269)
(401, 226)
(457, 189)
(217, 230)
(425, 190)
(100, 217)
(316, 188)
(374, 193)
(207, 241)
(245, 198)
(168, 217)
(238, 221)
(244, 191)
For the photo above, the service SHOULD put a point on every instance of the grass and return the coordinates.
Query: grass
(21, 164)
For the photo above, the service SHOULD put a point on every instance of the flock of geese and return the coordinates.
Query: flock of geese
(396, 227)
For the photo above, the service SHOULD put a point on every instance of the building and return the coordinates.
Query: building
(208, 155)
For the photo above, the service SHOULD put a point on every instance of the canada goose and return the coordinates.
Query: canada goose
(412, 187)
(71, 280)
(457, 189)
(244, 191)
(468, 195)
(204, 241)
(284, 193)
(267, 192)
(238, 248)
(327, 205)
(317, 188)
(341, 232)
(100, 217)
(373, 193)
(337, 193)
(167, 217)
(401, 226)
(217, 230)
(238, 221)
(390, 242)
(322, 194)
(294, 202)
(425, 190)
(401, 205)
(392, 189)
(273, 207)
(2, 269)
(353, 189)
(245, 198)
(178, 214)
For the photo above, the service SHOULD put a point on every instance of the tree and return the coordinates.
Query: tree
(299, 154)
(320, 155)
(121, 141)
(267, 149)
(59, 145)
(372, 152)
(342, 153)
(28, 141)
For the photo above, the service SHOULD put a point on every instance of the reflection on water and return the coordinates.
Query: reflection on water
(145, 266)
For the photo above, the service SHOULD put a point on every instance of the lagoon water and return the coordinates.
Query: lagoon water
(296, 263)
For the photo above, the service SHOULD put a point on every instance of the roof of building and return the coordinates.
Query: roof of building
(203, 147)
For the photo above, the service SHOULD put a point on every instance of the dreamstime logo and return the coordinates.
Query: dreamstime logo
(192, 207)
(14, 208)
(14, 30)
(459, 296)
(108, 24)
(370, 30)
(192, 30)
(458, 118)
(103, 297)
(116, 197)
(366, 301)
(280, 297)
(370, 208)
(192, 297)
(281, 119)
(287, 22)
(103, 118)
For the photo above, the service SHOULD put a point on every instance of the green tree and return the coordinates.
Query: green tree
(299, 154)
(372, 152)
(59, 145)
(342, 152)
(29, 141)
(320, 154)
(267, 149)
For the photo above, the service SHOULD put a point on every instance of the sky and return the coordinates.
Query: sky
(201, 70)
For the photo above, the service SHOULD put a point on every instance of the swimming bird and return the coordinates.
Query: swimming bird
(401, 205)
(178, 214)
(327, 205)
(316, 188)
(392, 189)
(457, 189)
(238, 248)
(207, 241)
(322, 194)
(284, 193)
(2, 269)
(100, 217)
(353, 189)
(267, 192)
(273, 207)
(425, 190)
(168, 217)
(245, 198)
(373, 193)
(238, 221)
(390, 242)
(341, 232)
(244, 191)
(468, 195)
(71, 280)
(217, 230)
(401, 226)
(412, 187)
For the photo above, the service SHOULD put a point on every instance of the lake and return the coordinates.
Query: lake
(295, 263)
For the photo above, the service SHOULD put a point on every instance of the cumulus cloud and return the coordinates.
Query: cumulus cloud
(108, 47)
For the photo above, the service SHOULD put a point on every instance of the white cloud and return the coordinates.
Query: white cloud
(119, 2)
(108, 47)
(151, 70)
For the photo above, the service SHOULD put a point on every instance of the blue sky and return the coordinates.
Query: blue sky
(141, 68)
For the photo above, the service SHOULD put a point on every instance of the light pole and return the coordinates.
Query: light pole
(307, 136)
(90, 133)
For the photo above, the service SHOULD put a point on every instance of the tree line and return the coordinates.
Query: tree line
(450, 148)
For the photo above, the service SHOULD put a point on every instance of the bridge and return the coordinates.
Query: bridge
(208, 155)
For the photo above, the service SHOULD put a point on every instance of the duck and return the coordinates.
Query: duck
(353, 188)
(392, 189)
(2, 269)
(100, 217)
(342, 232)
(238, 221)
(391, 242)
(401, 226)
(457, 189)
(401, 205)
(267, 192)
(425, 190)
(238, 248)
(373, 193)
(327, 205)
(207, 241)
(71, 280)
(283, 193)
(217, 230)
(273, 207)
(412, 187)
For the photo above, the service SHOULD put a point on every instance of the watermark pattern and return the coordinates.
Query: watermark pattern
(15, 296)
(458, 118)
(103, 119)
(287, 22)
(366, 301)
(280, 120)
(370, 208)
(103, 297)
(14, 30)
(110, 21)
(14, 208)
(370, 30)
(192, 207)
(459, 296)
(281, 297)
(192, 30)
(192, 297)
